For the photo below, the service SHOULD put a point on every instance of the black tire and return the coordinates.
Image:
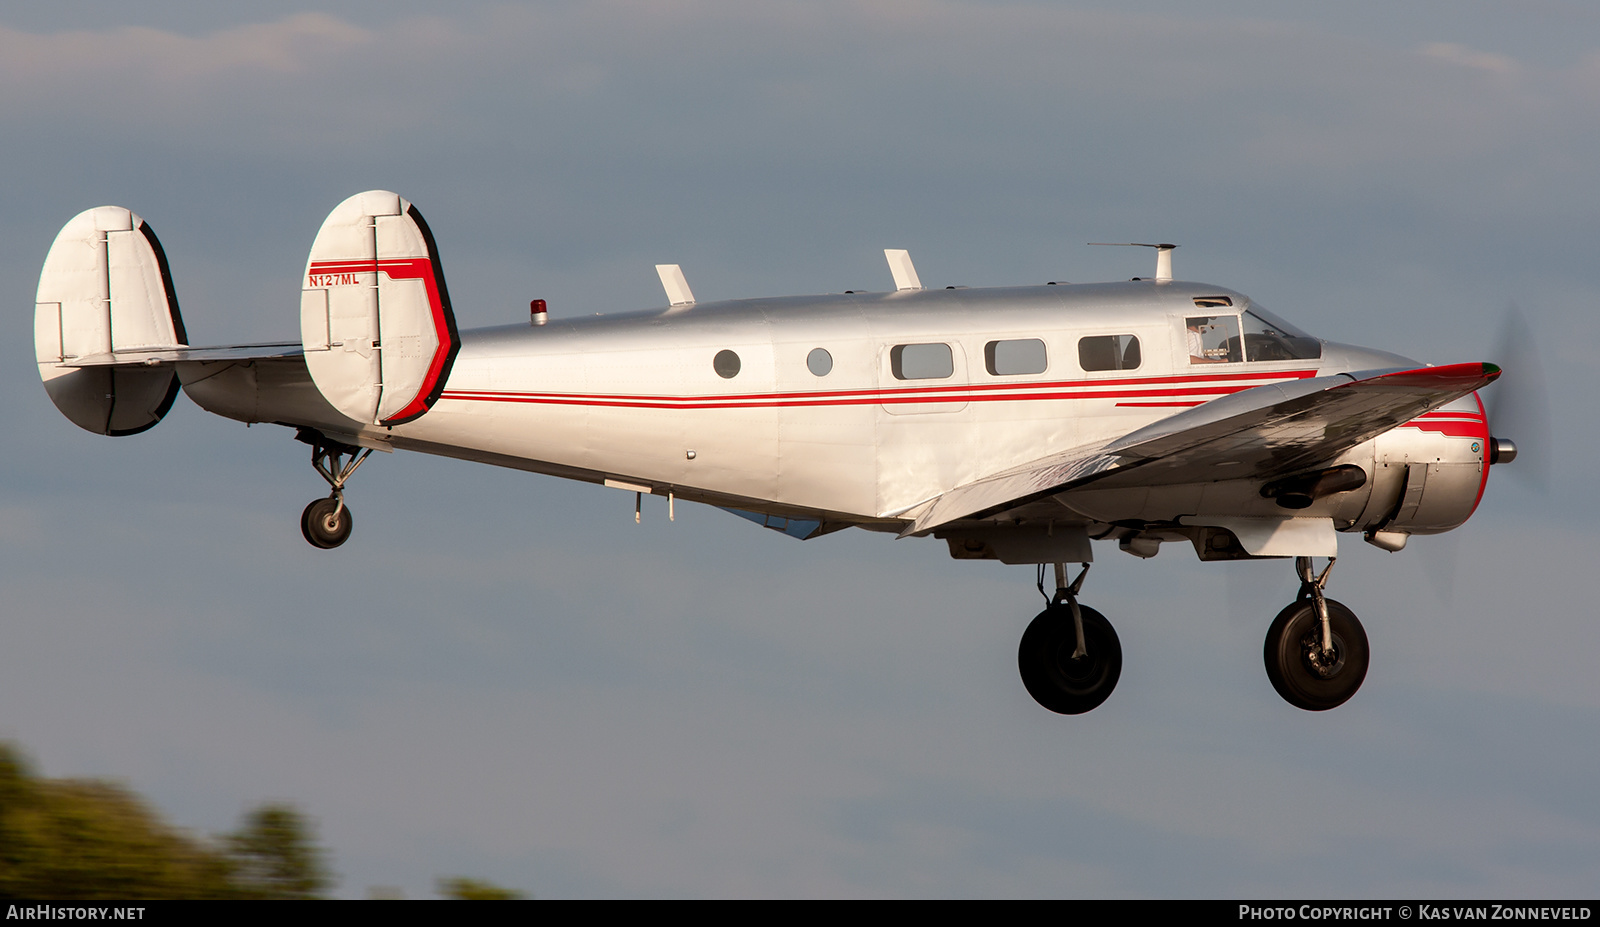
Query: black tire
(322, 527)
(1293, 642)
(1055, 680)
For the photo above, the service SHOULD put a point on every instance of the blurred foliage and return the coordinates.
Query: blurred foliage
(64, 839)
(82, 840)
(461, 888)
(276, 857)
(71, 840)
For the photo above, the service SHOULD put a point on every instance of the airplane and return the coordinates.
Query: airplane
(1018, 424)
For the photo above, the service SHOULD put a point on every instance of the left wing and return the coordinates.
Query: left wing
(1262, 432)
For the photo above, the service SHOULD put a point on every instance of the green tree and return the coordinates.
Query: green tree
(276, 855)
(461, 888)
(82, 840)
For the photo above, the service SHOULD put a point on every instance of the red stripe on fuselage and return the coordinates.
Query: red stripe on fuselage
(1170, 387)
(404, 269)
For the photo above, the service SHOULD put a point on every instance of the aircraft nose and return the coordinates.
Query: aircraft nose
(1338, 357)
(1501, 450)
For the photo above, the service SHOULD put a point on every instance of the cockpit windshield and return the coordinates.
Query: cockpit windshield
(1269, 338)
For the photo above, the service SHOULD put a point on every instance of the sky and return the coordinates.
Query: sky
(501, 676)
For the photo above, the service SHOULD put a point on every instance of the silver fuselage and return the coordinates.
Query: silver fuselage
(635, 398)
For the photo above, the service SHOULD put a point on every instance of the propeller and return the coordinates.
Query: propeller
(1518, 404)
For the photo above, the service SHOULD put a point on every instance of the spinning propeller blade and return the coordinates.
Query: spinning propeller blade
(1518, 405)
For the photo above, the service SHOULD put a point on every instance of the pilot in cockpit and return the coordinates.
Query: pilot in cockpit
(1197, 345)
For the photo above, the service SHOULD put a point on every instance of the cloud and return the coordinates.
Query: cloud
(1470, 58)
(34, 66)
(717, 92)
(271, 79)
(872, 59)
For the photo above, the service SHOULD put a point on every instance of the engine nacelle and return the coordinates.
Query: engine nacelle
(1423, 477)
(1429, 473)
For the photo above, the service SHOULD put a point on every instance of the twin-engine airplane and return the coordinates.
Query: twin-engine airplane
(1016, 424)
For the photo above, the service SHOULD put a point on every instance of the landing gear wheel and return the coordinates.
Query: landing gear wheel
(326, 523)
(1057, 681)
(1300, 671)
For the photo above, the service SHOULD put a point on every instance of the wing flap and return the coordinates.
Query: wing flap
(1013, 488)
(1265, 431)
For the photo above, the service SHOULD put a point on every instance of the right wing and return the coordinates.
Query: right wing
(1266, 431)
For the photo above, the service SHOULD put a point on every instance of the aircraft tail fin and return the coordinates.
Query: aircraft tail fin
(106, 289)
(375, 316)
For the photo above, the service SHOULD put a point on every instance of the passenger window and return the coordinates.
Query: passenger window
(726, 364)
(1109, 352)
(819, 362)
(1213, 339)
(1011, 358)
(921, 361)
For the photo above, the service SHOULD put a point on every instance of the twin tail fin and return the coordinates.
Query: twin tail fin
(375, 316)
(378, 334)
(106, 291)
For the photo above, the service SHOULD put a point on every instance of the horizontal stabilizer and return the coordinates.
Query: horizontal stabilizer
(1263, 432)
(153, 357)
(105, 289)
(375, 316)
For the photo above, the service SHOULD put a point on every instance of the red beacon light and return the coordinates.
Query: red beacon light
(537, 314)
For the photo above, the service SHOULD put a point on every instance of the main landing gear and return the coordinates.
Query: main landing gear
(326, 523)
(1316, 650)
(1070, 657)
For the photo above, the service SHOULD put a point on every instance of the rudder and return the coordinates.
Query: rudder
(375, 317)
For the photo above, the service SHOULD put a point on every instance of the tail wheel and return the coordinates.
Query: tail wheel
(326, 523)
(1302, 673)
(1058, 681)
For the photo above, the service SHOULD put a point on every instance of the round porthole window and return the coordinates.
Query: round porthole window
(819, 362)
(726, 364)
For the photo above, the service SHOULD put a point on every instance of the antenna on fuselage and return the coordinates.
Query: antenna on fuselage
(1163, 256)
(905, 274)
(672, 280)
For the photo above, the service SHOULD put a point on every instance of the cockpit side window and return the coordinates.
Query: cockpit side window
(1213, 339)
